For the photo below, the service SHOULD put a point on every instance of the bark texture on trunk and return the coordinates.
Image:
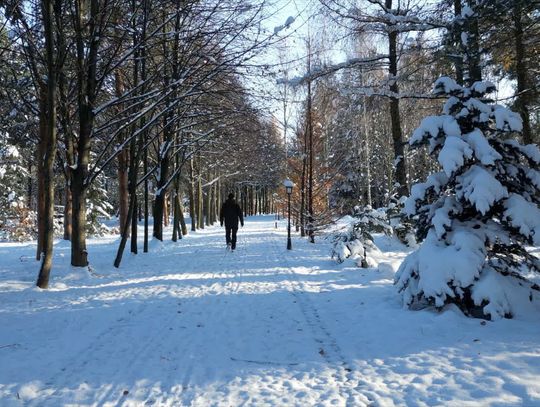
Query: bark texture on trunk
(397, 134)
(457, 40)
(523, 91)
(79, 254)
(182, 218)
(68, 212)
(123, 165)
(50, 148)
(177, 233)
(42, 145)
(472, 47)
(86, 24)
(200, 202)
(124, 232)
(134, 219)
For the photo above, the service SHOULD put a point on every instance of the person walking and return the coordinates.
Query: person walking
(231, 213)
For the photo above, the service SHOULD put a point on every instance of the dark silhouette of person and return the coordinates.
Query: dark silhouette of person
(231, 213)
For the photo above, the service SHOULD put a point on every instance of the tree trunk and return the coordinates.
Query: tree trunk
(123, 160)
(123, 193)
(42, 145)
(67, 130)
(132, 213)
(397, 135)
(218, 199)
(146, 200)
(367, 148)
(79, 254)
(124, 232)
(472, 48)
(245, 196)
(176, 219)
(256, 206)
(213, 203)
(166, 211)
(159, 204)
(134, 224)
(146, 10)
(523, 91)
(87, 56)
(457, 40)
(182, 220)
(303, 190)
(310, 220)
(207, 206)
(191, 193)
(200, 202)
(68, 212)
(50, 148)
(29, 190)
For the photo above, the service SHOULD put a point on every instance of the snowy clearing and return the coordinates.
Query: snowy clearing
(193, 324)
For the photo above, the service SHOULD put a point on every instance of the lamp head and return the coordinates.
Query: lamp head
(288, 186)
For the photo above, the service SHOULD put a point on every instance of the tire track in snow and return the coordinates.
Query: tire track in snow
(330, 350)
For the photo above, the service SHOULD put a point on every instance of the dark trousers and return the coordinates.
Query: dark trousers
(231, 239)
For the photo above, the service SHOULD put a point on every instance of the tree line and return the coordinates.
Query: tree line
(348, 146)
(140, 103)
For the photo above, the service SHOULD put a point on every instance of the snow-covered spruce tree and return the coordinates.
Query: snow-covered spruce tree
(478, 213)
(357, 241)
(98, 208)
(401, 224)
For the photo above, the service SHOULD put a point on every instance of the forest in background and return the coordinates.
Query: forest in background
(144, 109)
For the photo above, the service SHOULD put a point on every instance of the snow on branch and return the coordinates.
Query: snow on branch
(287, 24)
(330, 69)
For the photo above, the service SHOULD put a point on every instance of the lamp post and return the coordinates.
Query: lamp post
(288, 187)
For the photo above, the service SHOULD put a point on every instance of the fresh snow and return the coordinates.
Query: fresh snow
(433, 125)
(418, 191)
(481, 188)
(524, 216)
(453, 154)
(287, 24)
(192, 324)
(482, 149)
(455, 260)
(505, 119)
(446, 85)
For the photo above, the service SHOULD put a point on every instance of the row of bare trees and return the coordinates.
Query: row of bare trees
(142, 91)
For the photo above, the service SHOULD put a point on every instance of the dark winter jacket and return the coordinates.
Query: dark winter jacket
(231, 213)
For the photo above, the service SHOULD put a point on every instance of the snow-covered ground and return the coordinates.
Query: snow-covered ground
(192, 324)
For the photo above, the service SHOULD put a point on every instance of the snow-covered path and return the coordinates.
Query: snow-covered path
(193, 324)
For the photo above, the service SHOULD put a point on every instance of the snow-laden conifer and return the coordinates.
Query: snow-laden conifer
(98, 208)
(357, 241)
(479, 213)
(402, 226)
